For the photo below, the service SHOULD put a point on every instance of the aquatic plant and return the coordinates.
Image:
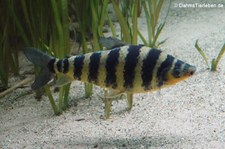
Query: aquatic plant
(8, 45)
(152, 9)
(46, 29)
(214, 62)
(126, 12)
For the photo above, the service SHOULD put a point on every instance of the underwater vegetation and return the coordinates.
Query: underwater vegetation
(214, 62)
(42, 24)
(9, 45)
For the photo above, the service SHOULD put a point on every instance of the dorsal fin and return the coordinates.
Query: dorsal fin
(111, 42)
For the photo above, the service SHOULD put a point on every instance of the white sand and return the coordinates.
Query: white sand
(190, 114)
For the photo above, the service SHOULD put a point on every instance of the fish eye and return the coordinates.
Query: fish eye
(176, 73)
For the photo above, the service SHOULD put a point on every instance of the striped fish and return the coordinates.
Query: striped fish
(126, 69)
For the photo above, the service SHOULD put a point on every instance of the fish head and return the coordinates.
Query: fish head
(179, 71)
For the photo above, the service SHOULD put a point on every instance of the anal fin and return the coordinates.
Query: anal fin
(108, 97)
(111, 94)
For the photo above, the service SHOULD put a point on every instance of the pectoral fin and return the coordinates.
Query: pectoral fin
(63, 80)
(108, 97)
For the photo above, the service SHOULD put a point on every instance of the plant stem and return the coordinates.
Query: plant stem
(122, 21)
(66, 96)
(88, 90)
(51, 99)
(60, 105)
(215, 62)
(202, 53)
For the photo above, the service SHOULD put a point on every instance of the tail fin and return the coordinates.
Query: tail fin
(40, 59)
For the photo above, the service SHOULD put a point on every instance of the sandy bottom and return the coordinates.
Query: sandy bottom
(190, 114)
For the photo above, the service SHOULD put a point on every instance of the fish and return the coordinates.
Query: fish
(124, 69)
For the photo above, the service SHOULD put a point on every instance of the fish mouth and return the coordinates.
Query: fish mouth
(191, 70)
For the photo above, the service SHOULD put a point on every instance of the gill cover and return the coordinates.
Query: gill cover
(179, 74)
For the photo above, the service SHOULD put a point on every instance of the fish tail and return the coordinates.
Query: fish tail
(42, 60)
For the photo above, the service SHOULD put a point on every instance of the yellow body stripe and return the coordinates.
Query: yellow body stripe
(120, 68)
(71, 68)
(102, 70)
(55, 66)
(85, 70)
(138, 70)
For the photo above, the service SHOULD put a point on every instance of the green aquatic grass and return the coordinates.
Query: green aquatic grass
(214, 62)
(127, 13)
(201, 53)
(122, 21)
(9, 62)
(152, 9)
(52, 100)
(4, 71)
(112, 27)
(44, 25)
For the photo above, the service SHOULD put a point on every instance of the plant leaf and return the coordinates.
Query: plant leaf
(123, 24)
(218, 58)
(202, 53)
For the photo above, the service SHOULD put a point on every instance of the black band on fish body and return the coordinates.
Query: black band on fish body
(131, 61)
(78, 66)
(161, 76)
(65, 65)
(164, 67)
(111, 64)
(148, 67)
(177, 68)
(94, 67)
(51, 65)
(59, 65)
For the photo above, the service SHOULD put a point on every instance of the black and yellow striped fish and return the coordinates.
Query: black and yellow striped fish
(129, 68)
